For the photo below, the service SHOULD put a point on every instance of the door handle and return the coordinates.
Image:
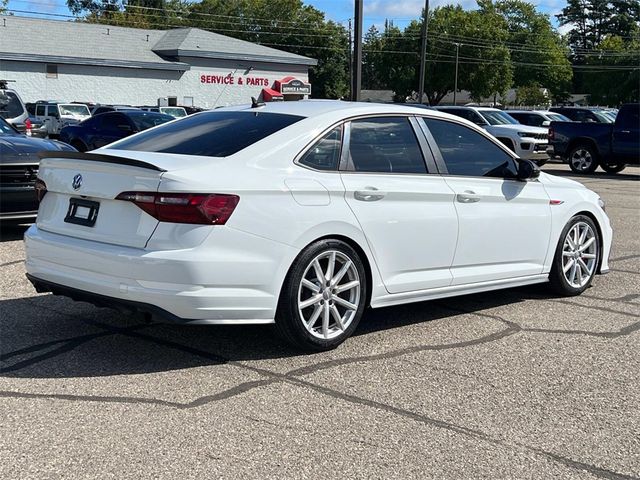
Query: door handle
(468, 196)
(625, 131)
(369, 194)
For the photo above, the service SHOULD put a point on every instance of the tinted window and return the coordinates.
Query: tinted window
(385, 144)
(470, 115)
(40, 110)
(468, 153)
(215, 134)
(53, 111)
(497, 117)
(10, 105)
(6, 129)
(110, 121)
(146, 120)
(630, 117)
(325, 154)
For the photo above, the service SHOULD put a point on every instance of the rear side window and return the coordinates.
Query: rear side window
(386, 145)
(468, 153)
(210, 134)
(325, 154)
(10, 105)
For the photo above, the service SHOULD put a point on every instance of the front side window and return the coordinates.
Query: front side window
(210, 134)
(498, 117)
(325, 154)
(386, 145)
(466, 152)
(144, 121)
(111, 121)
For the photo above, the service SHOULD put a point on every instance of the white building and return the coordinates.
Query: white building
(74, 61)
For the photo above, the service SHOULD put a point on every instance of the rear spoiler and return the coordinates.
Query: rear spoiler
(99, 157)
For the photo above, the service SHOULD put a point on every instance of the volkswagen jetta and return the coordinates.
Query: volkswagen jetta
(305, 213)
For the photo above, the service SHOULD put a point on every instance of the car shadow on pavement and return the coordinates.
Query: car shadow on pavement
(53, 337)
(11, 232)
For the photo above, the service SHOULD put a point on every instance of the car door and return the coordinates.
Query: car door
(111, 129)
(504, 223)
(626, 134)
(404, 207)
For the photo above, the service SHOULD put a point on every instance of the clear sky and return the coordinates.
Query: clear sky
(375, 11)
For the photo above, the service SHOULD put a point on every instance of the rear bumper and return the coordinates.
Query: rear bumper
(232, 277)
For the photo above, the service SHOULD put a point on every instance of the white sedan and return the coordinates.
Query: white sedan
(305, 213)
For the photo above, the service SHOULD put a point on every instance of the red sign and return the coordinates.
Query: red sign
(231, 80)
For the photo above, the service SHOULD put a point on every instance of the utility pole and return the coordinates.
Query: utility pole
(455, 87)
(350, 61)
(356, 77)
(423, 49)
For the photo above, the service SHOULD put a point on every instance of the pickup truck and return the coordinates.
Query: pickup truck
(613, 146)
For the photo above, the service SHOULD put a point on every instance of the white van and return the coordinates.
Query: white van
(56, 116)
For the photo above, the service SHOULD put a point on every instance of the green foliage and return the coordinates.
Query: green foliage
(531, 95)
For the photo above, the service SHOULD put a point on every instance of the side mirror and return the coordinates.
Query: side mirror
(546, 123)
(527, 170)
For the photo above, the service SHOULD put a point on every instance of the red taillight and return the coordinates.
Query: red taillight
(41, 189)
(551, 134)
(198, 208)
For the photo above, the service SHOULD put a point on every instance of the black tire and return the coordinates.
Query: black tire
(613, 168)
(558, 279)
(583, 158)
(291, 321)
(78, 145)
(540, 163)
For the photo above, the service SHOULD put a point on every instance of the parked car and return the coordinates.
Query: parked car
(304, 214)
(106, 128)
(12, 109)
(582, 114)
(56, 116)
(32, 127)
(98, 109)
(527, 142)
(612, 146)
(175, 112)
(18, 171)
(537, 118)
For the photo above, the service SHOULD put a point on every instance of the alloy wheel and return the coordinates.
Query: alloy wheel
(581, 159)
(329, 294)
(579, 255)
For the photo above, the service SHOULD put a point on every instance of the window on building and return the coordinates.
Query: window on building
(52, 70)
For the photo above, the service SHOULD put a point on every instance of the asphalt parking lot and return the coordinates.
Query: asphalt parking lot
(511, 384)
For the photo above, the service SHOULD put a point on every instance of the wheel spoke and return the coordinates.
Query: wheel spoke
(319, 273)
(567, 254)
(575, 232)
(336, 316)
(588, 255)
(574, 271)
(330, 267)
(587, 244)
(347, 286)
(571, 243)
(568, 265)
(310, 285)
(310, 301)
(584, 267)
(325, 321)
(314, 317)
(341, 273)
(344, 302)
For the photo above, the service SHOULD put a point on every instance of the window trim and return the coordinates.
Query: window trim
(442, 167)
(427, 155)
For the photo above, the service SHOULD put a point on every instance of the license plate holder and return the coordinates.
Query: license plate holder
(82, 212)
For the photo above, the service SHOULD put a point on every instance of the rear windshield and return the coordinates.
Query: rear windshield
(10, 105)
(210, 134)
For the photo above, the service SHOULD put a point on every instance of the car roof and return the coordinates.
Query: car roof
(314, 108)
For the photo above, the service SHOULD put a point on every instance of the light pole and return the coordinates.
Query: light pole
(455, 86)
(423, 49)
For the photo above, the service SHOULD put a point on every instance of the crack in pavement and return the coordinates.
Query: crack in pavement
(14, 262)
(293, 377)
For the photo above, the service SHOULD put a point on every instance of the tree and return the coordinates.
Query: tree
(531, 95)
(372, 60)
(537, 50)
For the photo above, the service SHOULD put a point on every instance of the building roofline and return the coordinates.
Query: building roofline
(102, 62)
(298, 60)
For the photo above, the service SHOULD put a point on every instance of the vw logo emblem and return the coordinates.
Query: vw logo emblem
(77, 182)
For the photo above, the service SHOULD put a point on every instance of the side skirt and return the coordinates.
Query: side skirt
(455, 290)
